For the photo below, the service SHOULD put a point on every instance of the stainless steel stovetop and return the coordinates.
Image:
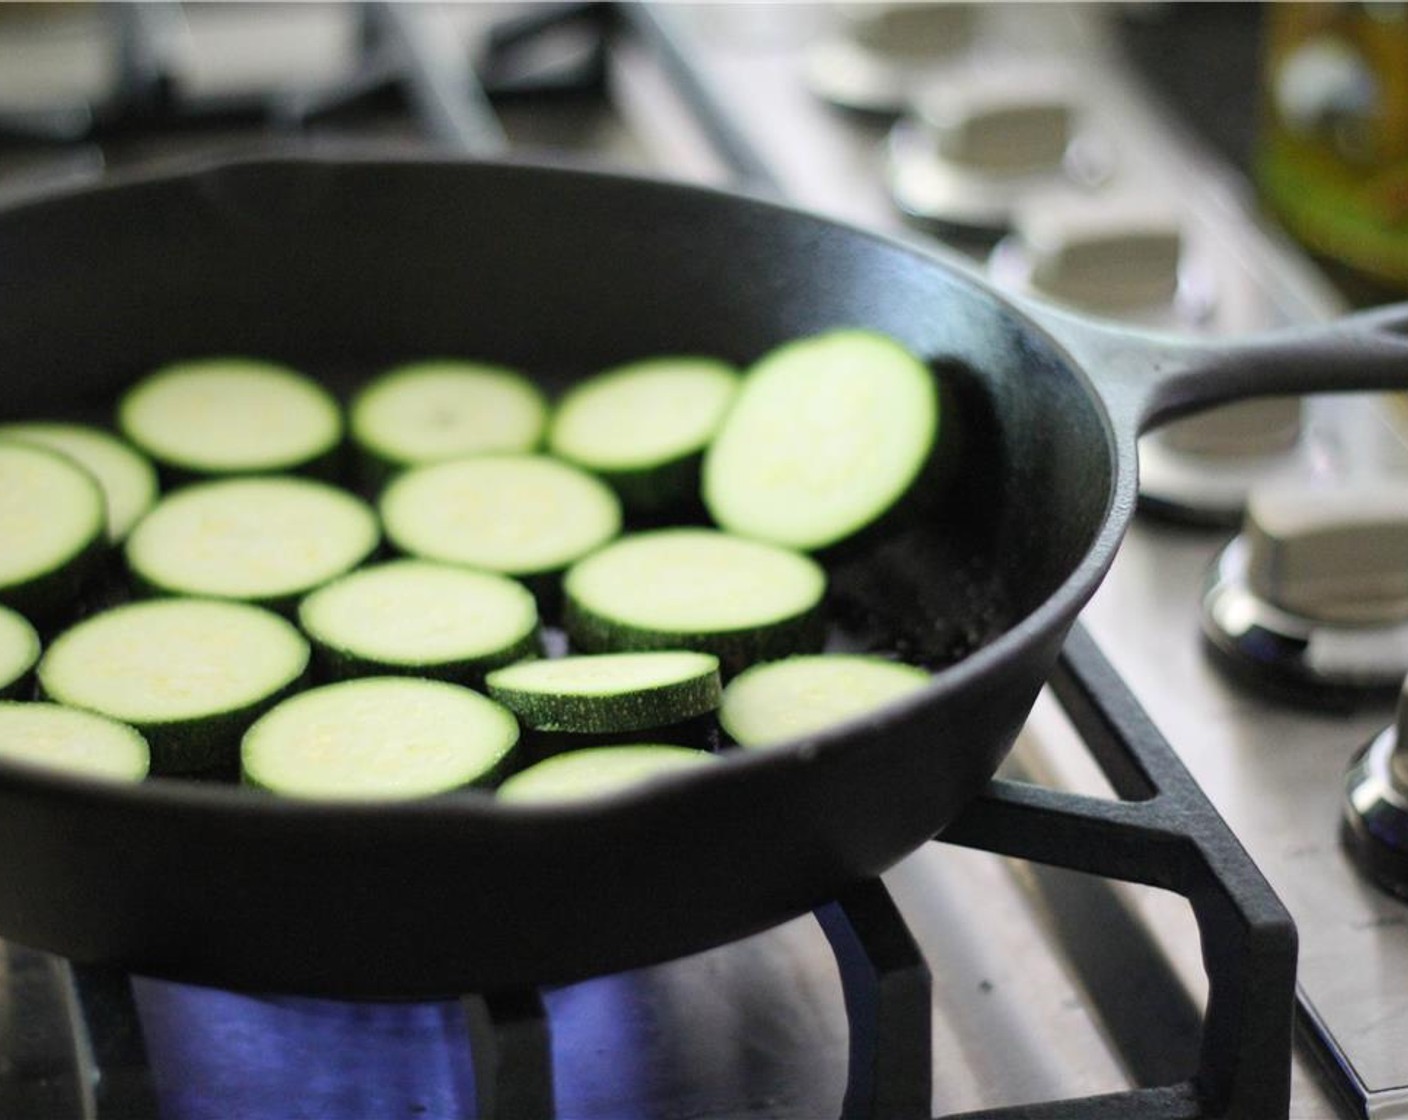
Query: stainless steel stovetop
(759, 1028)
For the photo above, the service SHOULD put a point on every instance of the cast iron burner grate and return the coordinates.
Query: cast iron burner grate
(1163, 833)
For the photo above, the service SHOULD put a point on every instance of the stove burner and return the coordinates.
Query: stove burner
(1375, 822)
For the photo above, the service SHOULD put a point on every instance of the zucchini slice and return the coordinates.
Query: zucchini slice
(521, 515)
(699, 589)
(643, 427)
(609, 692)
(426, 412)
(801, 695)
(230, 415)
(826, 436)
(597, 771)
(53, 526)
(420, 618)
(19, 651)
(263, 540)
(127, 479)
(77, 742)
(189, 674)
(377, 738)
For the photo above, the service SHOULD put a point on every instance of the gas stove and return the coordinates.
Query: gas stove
(1047, 948)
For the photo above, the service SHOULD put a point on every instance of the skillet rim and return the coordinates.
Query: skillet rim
(1056, 611)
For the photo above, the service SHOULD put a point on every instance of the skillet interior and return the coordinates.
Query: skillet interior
(343, 268)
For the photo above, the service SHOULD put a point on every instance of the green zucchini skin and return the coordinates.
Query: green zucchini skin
(17, 683)
(50, 598)
(210, 743)
(321, 459)
(182, 744)
(597, 772)
(332, 664)
(21, 688)
(148, 584)
(700, 733)
(69, 737)
(470, 738)
(636, 709)
(786, 465)
(127, 478)
(205, 743)
(789, 620)
(420, 618)
(799, 696)
(591, 632)
(664, 483)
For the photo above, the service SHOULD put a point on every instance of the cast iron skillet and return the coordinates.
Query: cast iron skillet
(342, 266)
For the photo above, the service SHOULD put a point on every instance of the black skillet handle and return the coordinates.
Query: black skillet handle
(1148, 379)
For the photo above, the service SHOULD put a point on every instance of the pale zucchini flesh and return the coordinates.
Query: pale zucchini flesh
(799, 696)
(429, 411)
(826, 436)
(520, 515)
(127, 478)
(19, 652)
(611, 692)
(190, 674)
(231, 415)
(697, 589)
(644, 426)
(378, 738)
(53, 527)
(54, 737)
(594, 772)
(259, 539)
(420, 617)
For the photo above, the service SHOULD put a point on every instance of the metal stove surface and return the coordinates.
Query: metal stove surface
(1274, 772)
(759, 1028)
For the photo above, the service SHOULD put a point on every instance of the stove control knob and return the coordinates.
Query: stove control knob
(1311, 600)
(879, 54)
(1100, 254)
(1374, 813)
(1269, 426)
(909, 32)
(1337, 555)
(1000, 127)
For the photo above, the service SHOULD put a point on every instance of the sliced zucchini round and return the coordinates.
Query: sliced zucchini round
(420, 618)
(698, 589)
(643, 427)
(826, 436)
(190, 674)
(377, 738)
(54, 527)
(231, 415)
(19, 651)
(608, 692)
(262, 540)
(77, 742)
(597, 771)
(426, 412)
(801, 695)
(127, 479)
(516, 514)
